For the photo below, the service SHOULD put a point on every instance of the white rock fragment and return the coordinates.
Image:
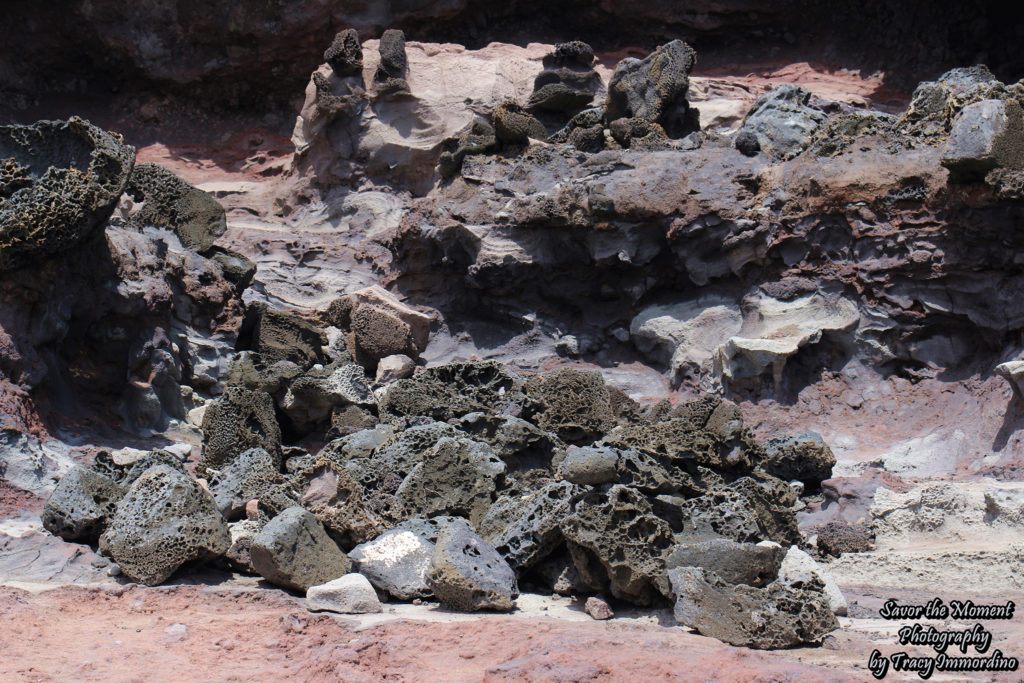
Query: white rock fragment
(349, 594)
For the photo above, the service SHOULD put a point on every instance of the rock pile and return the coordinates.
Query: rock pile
(471, 480)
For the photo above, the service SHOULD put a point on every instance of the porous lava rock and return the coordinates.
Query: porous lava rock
(294, 551)
(568, 81)
(753, 564)
(452, 390)
(804, 457)
(620, 530)
(59, 181)
(279, 336)
(836, 538)
(168, 201)
(783, 121)
(985, 135)
(345, 54)
(390, 75)
(164, 520)
(655, 89)
(468, 575)
(242, 478)
(780, 615)
(513, 125)
(236, 421)
(525, 529)
(574, 404)
(80, 506)
(338, 501)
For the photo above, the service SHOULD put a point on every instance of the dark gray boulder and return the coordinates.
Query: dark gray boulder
(782, 121)
(294, 551)
(568, 82)
(804, 457)
(513, 125)
(80, 506)
(398, 562)
(525, 529)
(985, 135)
(241, 479)
(311, 397)
(618, 528)
(390, 75)
(458, 476)
(519, 443)
(168, 201)
(602, 464)
(279, 336)
(654, 89)
(748, 563)
(338, 501)
(236, 421)
(781, 615)
(746, 510)
(59, 181)
(480, 138)
(468, 575)
(164, 520)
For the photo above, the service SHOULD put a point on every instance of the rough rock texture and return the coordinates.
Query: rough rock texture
(295, 552)
(574, 404)
(390, 75)
(238, 420)
(349, 594)
(753, 564)
(328, 491)
(985, 135)
(654, 89)
(164, 520)
(783, 614)
(279, 336)
(598, 609)
(453, 390)
(398, 562)
(836, 538)
(81, 505)
(525, 529)
(782, 121)
(170, 202)
(619, 529)
(468, 575)
(59, 181)
(799, 564)
(513, 125)
(243, 478)
(804, 457)
(568, 82)
(345, 54)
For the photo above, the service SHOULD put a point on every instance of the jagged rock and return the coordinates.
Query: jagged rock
(588, 139)
(390, 75)
(618, 527)
(778, 616)
(164, 520)
(568, 82)
(513, 125)
(747, 143)
(574, 404)
(639, 134)
(520, 444)
(398, 561)
(598, 609)
(524, 529)
(804, 457)
(294, 551)
(754, 564)
(467, 574)
(170, 202)
(238, 555)
(586, 119)
(428, 528)
(348, 594)
(81, 505)
(389, 463)
(241, 479)
(238, 269)
(338, 501)
(279, 336)
(250, 370)
(782, 121)
(558, 572)
(236, 421)
(457, 476)
(447, 391)
(381, 325)
(836, 538)
(797, 565)
(311, 397)
(746, 511)
(59, 181)
(684, 446)
(985, 135)
(127, 465)
(654, 89)
(480, 138)
(394, 367)
(345, 54)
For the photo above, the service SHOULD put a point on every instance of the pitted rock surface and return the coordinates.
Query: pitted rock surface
(294, 551)
(525, 529)
(398, 562)
(468, 575)
(236, 421)
(164, 520)
(81, 505)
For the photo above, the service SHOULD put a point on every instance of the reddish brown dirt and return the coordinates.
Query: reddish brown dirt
(131, 635)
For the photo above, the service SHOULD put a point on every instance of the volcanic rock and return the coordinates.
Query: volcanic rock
(279, 336)
(348, 594)
(447, 391)
(394, 367)
(295, 552)
(513, 125)
(836, 538)
(574, 404)
(804, 457)
(618, 527)
(169, 202)
(398, 562)
(524, 529)
(781, 615)
(519, 443)
(985, 135)
(654, 89)
(345, 54)
(390, 75)
(753, 564)
(164, 520)
(236, 421)
(598, 609)
(568, 82)
(798, 565)
(328, 491)
(81, 505)
(468, 575)
(59, 181)
(782, 121)
(238, 555)
(241, 479)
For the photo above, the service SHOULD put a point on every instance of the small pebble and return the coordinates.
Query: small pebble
(598, 609)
